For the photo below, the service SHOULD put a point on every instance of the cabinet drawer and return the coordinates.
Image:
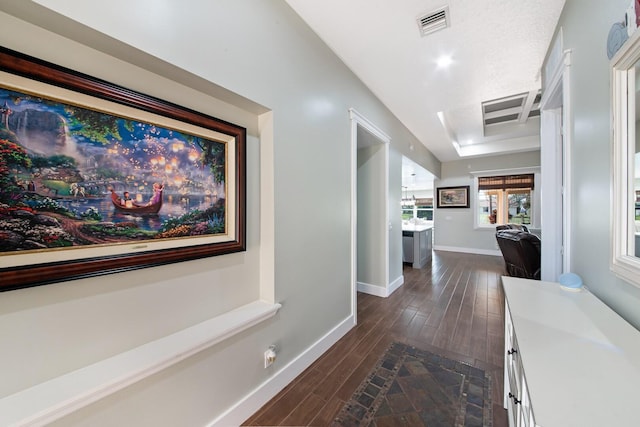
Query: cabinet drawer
(526, 410)
(514, 363)
(511, 390)
(516, 396)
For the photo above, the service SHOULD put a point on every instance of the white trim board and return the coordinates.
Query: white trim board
(358, 119)
(381, 291)
(556, 142)
(393, 286)
(367, 288)
(468, 250)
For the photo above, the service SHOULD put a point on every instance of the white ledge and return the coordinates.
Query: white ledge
(53, 399)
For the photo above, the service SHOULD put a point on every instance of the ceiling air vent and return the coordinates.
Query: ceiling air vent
(515, 108)
(434, 21)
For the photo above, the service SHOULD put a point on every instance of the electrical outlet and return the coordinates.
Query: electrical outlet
(269, 356)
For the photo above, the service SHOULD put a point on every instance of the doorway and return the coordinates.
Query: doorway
(370, 208)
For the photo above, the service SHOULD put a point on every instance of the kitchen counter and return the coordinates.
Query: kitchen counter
(417, 244)
(416, 227)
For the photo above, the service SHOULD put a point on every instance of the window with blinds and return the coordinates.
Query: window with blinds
(505, 199)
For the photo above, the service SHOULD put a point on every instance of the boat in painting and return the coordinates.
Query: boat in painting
(151, 208)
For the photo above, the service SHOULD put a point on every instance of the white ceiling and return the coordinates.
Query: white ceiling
(496, 48)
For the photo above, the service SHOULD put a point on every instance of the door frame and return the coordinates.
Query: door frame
(555, 153)
(358, 119)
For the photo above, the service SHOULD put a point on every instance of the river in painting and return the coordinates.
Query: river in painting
(174, 206)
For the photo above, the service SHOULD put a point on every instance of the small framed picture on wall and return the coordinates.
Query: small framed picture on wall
(453, 197)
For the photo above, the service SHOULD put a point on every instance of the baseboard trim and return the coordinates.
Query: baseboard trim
(370, 289)
(396, 284)
(255, 400)
(379, 291)
(468, 250)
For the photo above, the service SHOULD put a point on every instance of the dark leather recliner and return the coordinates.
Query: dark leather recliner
(521, 252)
(520, 227)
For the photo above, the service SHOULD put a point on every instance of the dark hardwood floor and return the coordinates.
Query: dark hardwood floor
(454, 307)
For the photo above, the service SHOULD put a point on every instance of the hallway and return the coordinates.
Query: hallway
(453, 307)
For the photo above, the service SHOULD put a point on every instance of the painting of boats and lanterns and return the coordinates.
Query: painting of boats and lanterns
(71, 176)
(98, 179)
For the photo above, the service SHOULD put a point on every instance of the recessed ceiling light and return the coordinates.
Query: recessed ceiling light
(444, 61)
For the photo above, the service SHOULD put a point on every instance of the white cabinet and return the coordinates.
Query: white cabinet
(569, 359)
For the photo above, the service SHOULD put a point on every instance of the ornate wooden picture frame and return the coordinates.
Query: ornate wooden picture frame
(453, 197)
(98, 179)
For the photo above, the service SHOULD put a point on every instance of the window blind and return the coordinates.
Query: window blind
(505, 182)
(425, 202)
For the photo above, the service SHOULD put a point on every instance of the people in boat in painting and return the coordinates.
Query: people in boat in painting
(117, 200)
(157, 194)
(126, 204)
(126, 200)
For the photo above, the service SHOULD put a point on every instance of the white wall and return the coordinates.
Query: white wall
(372, 218)
(273, 72)
(455, 228)
(585, 26)
(394, 228)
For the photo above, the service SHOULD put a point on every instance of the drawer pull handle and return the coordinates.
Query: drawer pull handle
(515, 399)
(512, 351)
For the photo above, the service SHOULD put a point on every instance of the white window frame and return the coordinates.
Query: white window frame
(535, 194)
(415, 210)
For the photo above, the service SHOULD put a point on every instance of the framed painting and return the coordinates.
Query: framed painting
(453, 197)
(97, 179)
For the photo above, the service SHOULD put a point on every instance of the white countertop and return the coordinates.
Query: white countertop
(581, 360)
(416, 227)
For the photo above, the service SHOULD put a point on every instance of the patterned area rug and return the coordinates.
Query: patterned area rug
(413, 387)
